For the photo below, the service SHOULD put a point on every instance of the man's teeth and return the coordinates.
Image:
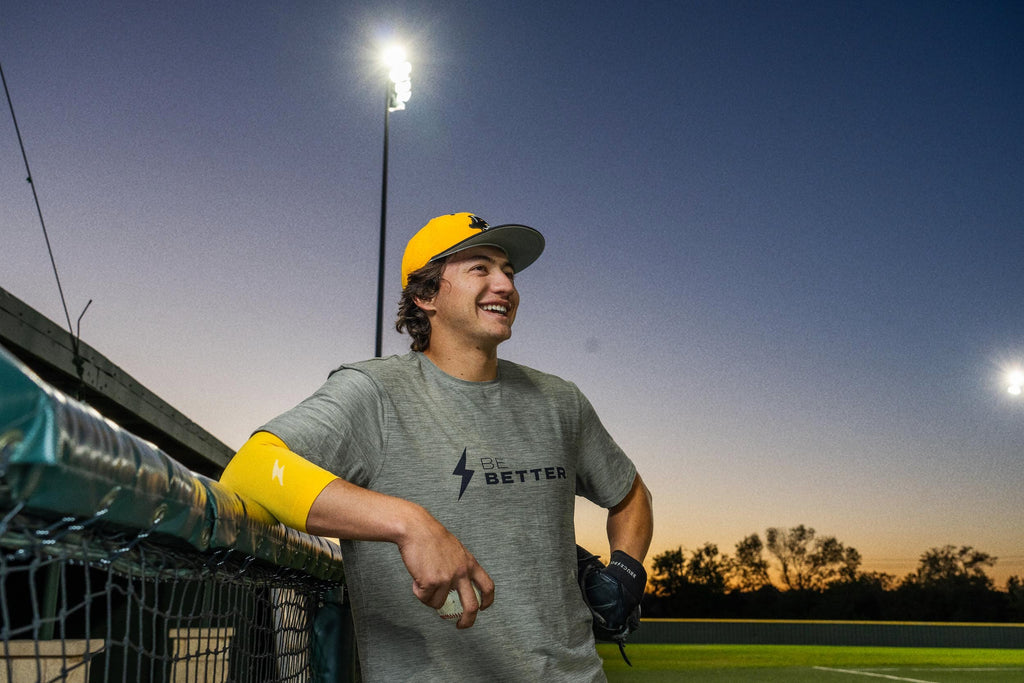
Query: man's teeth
(496, 308)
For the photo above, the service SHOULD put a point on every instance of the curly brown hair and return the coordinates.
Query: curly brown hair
(422, 284)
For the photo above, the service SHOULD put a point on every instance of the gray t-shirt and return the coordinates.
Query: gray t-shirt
(498, 463)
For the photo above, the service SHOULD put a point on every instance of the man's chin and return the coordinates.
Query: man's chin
(503, 335)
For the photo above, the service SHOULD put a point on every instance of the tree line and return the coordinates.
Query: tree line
(794, 573)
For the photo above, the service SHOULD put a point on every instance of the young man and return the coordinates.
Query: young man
(447, 468)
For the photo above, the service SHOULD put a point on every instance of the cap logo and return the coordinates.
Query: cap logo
(477, 223)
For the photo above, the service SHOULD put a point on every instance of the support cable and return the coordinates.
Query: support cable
(77, 359)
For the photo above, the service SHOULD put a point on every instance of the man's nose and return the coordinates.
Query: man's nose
(501, 282)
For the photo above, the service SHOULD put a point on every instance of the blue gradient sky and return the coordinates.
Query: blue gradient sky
(785, 240)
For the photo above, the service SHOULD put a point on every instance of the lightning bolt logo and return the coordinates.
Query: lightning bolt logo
(278, 473)
(461, 471)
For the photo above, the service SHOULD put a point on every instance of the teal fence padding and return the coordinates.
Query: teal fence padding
(62, 457)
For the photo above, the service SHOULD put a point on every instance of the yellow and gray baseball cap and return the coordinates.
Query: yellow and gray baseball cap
(446, 235)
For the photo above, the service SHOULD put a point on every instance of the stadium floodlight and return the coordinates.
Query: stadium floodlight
(1015, 382)
(399, 90)
(399, 78)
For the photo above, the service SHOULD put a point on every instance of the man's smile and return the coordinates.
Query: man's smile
(496, 308)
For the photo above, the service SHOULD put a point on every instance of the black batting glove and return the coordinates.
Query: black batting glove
(616, 590)
(613, 592)
(630, 574)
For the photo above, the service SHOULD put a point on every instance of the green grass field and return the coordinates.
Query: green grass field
(785, 663)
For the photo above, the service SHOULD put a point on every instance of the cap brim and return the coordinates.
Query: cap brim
(521, 243)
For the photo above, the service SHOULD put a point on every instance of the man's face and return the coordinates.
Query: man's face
(477, 300)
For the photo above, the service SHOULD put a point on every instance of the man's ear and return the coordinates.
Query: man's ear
(426, 305)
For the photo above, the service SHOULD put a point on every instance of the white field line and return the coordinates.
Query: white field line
(872, 675)
(949, 668)
(973, 668)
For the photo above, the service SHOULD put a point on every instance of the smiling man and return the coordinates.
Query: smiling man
(448, 468)
(471, 312)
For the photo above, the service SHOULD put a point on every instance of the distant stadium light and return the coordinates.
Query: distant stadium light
(1015, 382)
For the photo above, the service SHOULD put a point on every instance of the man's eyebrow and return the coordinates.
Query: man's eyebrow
(489, 259)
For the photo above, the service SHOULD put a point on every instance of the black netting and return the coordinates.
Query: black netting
(87, 601)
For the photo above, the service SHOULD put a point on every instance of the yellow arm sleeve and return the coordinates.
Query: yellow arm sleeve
(285, 483)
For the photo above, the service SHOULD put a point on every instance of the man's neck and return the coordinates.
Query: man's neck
(470, 364)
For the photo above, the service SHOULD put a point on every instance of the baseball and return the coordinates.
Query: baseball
(452, 607)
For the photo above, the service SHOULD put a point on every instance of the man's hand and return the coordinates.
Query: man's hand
(438, 563)
(436, 560)
(612, 593)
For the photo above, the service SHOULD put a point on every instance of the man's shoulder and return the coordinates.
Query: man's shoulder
(516, 373)
(376, 372)
(387, 365)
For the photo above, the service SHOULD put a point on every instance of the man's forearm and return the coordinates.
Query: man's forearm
(436, 560)
(631, 522)
(344, 510)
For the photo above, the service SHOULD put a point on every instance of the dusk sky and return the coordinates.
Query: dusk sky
(785, 251)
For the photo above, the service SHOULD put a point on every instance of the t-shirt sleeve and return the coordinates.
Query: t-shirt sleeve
(340, 427)
(604, 473)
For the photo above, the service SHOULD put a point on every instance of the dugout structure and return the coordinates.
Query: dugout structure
(118, 563)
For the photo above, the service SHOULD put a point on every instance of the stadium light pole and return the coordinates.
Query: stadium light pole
(399, 90)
